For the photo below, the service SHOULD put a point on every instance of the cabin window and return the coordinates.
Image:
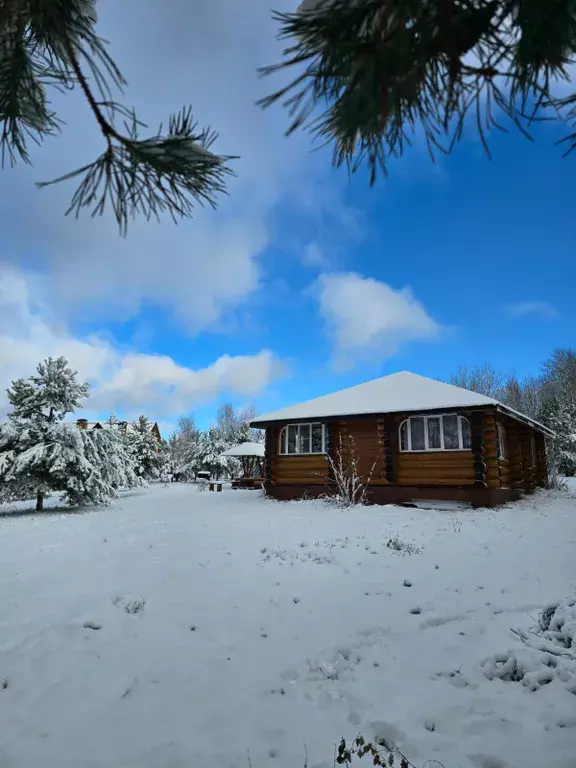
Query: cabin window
(448, 432)
(297, 439)
(502, 451)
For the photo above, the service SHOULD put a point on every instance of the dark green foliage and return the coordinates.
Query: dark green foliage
(53, 44)
(374, 72)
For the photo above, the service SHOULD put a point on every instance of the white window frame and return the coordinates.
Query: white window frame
(502, 443)
(283, 442)
(426, 449)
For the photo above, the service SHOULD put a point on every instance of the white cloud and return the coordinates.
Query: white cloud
(313, 256)
(540, 308)
(126, 382)
(203, 268)
(365, 316)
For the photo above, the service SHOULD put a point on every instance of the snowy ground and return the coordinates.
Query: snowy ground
(269, 626)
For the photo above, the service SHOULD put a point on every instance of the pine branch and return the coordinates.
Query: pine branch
(371, 74)
(52, 43)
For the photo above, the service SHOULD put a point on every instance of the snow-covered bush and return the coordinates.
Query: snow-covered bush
(548, 653)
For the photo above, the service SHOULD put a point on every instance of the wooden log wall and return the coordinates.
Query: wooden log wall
(524, 467)
(436, 468)
(368, 440)
(477, 444)
(515, 455)
(528, 464)
(490, 440)
(376, 442)
(302, 470)
(450, 468)
(541, 460)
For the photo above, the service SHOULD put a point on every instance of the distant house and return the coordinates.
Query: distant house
(415, 438)
(121, 425)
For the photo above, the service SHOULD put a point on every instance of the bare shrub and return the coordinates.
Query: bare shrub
(351, 485)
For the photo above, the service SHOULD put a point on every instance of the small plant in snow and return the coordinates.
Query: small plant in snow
(406, 583)
(378, 751)
(351, 485)
(395, 543)
(135, 606)
(416, 610)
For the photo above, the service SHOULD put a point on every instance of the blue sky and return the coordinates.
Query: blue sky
(304, 281)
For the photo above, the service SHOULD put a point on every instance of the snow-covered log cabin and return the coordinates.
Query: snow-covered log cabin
(413, 438)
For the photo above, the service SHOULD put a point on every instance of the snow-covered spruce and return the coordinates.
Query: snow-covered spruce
(145, 449)
(39, 452)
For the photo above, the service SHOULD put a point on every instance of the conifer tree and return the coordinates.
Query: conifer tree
(40, 453)
(371, 74)
(146, 450)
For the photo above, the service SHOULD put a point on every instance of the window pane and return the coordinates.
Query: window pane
(304, 439)
(292, 434)
(316, 438)
(404, 436)
(451, 440)
(434, 433)
(501, 442)
(466, 439)
(417, 432)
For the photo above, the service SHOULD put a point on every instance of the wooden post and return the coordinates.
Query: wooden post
(329, 448)
(390, 446)
(211, 487)
(490, 450)
(39, 501)
(515, 456)
(477, 444)
(528, 468)
(269, 452)
(541, 460)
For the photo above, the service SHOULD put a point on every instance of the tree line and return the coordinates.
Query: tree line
(42, 452)
(548, 397)
(190, 450)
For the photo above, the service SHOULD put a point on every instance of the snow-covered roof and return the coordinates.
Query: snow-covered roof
(129, 426)
(398, 392)
(245, 449)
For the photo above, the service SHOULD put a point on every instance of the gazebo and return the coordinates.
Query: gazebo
(252, 457)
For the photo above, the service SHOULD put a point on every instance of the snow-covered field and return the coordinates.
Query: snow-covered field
(234, 626)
